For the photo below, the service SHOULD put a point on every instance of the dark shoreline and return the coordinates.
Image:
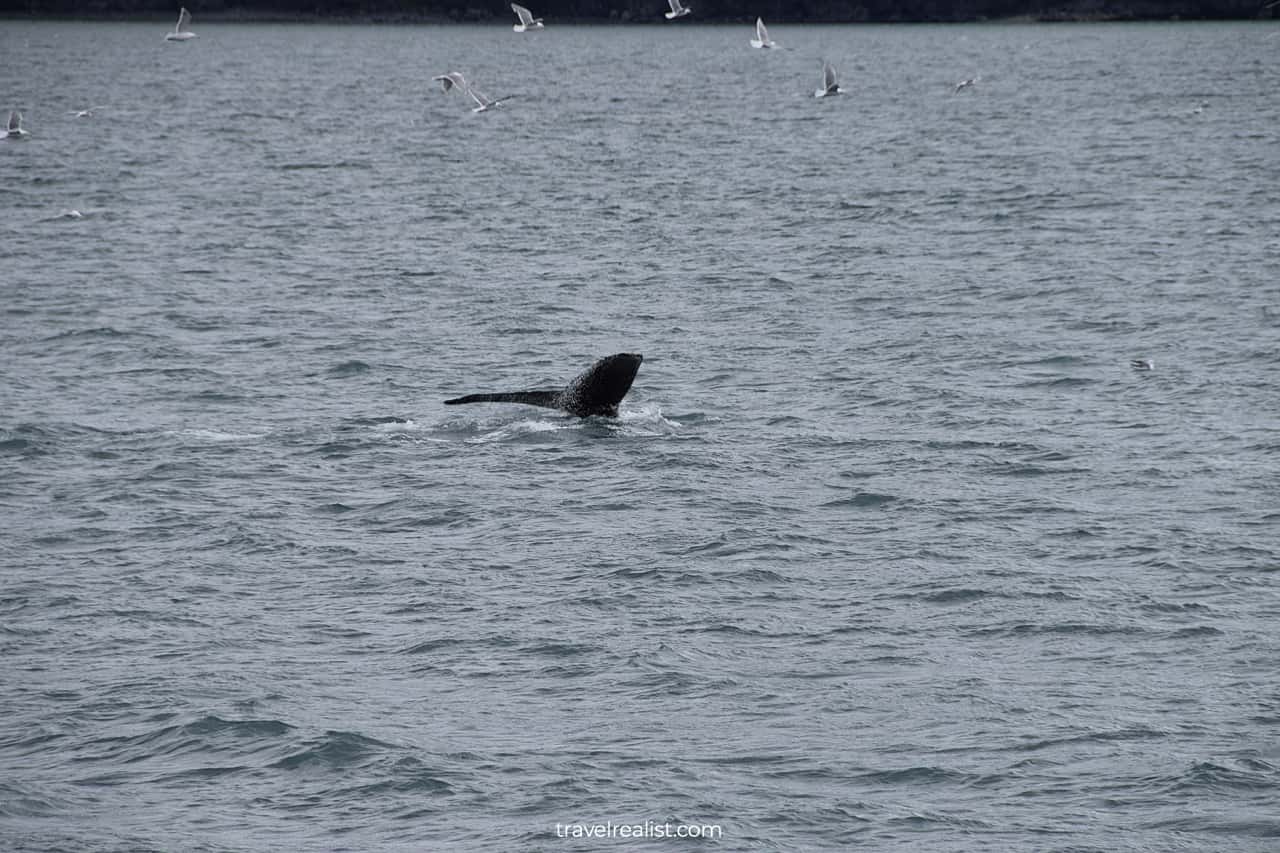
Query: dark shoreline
(442, 20)
(649, 12)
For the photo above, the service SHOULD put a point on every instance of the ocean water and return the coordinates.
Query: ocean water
(890, 548)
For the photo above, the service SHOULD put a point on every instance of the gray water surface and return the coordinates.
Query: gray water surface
(889, 549)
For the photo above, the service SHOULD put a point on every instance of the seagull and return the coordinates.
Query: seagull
(180, 31)
(677, 10)
(965, 84)
(527, 20)
(1142, 364)
(15, 130)
(762, 36)
(453, 78)
(829, 84)
(85, 113)
(483, 103)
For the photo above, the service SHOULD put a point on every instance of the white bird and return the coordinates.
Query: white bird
(1142, 364)
(483, 102)
(14, 130)
(965, 84)
(85, 113)
(762, 36)
(829, 84)
(527, 20)
(180, 29)
(677, 10)
(455, 79)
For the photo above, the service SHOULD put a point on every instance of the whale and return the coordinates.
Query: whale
(596, 391)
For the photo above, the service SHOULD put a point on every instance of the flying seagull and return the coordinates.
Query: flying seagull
(830, 86)
(483, 102)
(14, 129)
(454, 79)
(965, 84)
(181, 31)
(527, 20)
(762, 36)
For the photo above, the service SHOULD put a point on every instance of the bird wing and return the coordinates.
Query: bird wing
(453, 78)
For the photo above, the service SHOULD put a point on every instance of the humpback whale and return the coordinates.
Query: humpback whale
(597, 391)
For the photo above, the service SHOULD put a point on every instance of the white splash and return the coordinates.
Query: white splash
(212, 435)
(519, 429)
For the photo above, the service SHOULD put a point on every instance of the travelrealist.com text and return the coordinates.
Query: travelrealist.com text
(648, 829)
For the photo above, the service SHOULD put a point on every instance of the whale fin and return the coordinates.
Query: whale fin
(596, 391)
(530, 398)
